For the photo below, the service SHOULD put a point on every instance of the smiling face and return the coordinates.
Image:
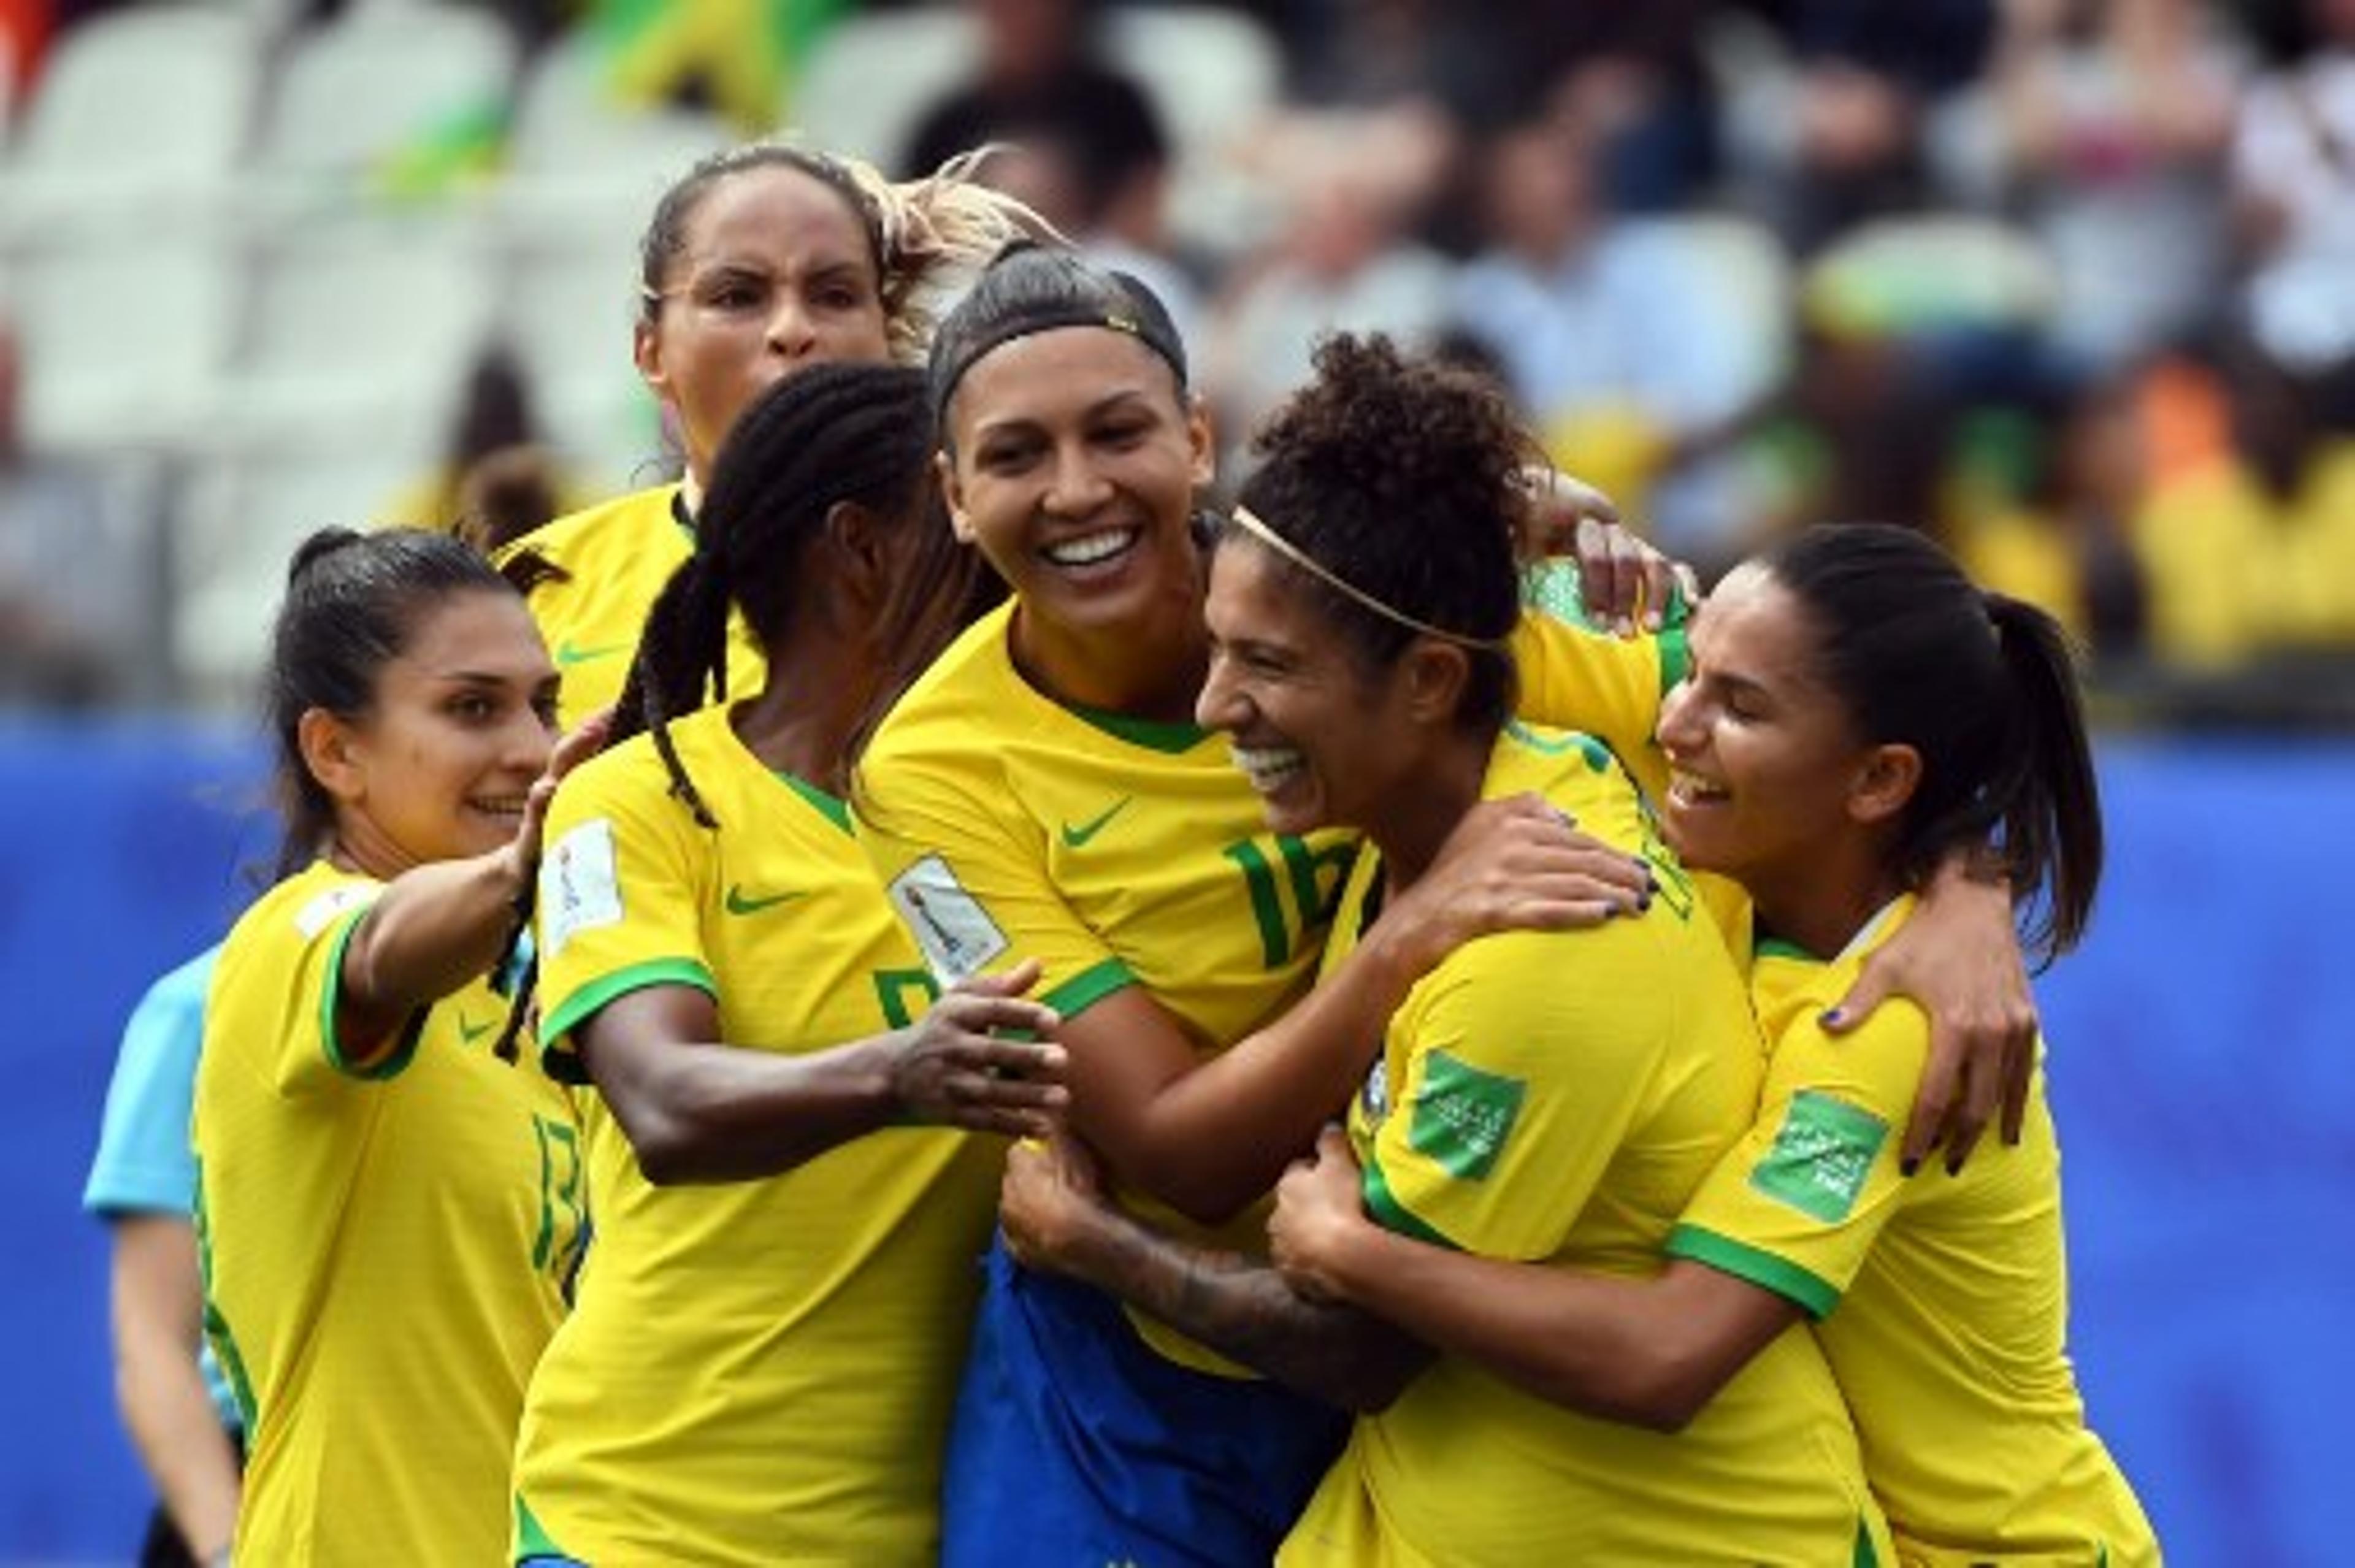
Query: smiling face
(459, 727)
(1072, 466)
(1768, 775)
(1324, 740)
(777, 273)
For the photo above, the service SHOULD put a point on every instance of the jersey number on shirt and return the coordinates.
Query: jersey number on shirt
(1314, 878)
(563, 1220)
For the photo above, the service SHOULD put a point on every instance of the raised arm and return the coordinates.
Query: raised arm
(695, 1110)
(437, 926)
(1056, 1218)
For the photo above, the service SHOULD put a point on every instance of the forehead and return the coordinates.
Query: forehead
(1754, 626)
(476, 632)
(1255, 597)
(1063, 372)
(776, 213)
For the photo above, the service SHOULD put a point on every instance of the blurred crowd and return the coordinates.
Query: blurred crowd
(2070, 283)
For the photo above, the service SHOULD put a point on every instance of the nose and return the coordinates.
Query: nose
(1077, 487)
(526, 742)
(1220, 705)
(791, 331)
(1679, 730)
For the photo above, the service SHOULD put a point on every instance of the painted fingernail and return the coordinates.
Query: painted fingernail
(1832, 1016)
(1908, 1167)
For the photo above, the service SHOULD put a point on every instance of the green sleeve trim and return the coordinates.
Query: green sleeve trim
(532, 1541)
(403, 1048)
(576, 1007)
(1676, 657)
(1393, 1215)
(1089, 986)
(1762, 1269)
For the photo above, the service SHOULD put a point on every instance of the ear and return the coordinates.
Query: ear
(327, 743)
(1883, 782)
(953, 496)
(864, 546)
(1434, 675)
(645, 348)
(1201, 443)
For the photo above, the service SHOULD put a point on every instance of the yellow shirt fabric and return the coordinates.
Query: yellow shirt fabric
(384, 1251)
(1943, 1300)
(755, 1372)
(1554, 1098)
(1118, 852)
(615, 559)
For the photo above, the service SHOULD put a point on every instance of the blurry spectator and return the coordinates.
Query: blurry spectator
(24, 37)
(1084, 145)
(2294, 178)
(495, 477)
(1357, 186)
(1039, 72)
(79, 593)
(2109, 119)
(1869, 74)
(1610, 333)
(734, 56)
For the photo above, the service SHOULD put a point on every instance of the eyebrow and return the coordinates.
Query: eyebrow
(1027, 421)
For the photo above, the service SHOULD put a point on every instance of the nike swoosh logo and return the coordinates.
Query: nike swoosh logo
(471, 1032)
(739, 901)
(568, 656)
(1077, 837)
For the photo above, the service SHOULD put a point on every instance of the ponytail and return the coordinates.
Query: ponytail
(2048, 800)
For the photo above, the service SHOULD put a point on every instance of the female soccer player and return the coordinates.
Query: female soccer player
(388, 1207)
(762, 260)
(791, 1199)
(1042, 791)
(1856, 708)
(1546, 1096)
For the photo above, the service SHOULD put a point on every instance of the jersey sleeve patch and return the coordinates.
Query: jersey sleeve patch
(580, 886)
(955, 933)
(1464, 1115)
(1820, 1155)
(320, 913)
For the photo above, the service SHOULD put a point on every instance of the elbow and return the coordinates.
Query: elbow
(1663, 1392)
(1210, 1198)
(668, 1152)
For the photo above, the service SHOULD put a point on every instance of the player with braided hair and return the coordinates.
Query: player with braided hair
(786, 1148)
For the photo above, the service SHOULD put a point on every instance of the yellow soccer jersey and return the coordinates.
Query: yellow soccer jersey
(1117, 852)
(384, 1251)
(615, 559)
(1553, 1098)
(1943, 1299)
(754, 1372)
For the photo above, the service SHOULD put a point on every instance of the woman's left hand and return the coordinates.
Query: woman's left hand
(584, 740)
(1051, 1201)
(1318, 1206)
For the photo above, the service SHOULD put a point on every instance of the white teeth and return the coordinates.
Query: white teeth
(1689, 789)
(506, 806)
(1268, 767)
(1089, 548)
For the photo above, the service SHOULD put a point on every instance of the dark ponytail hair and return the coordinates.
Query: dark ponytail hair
(831, 433)
(1399, 475)
(352, 603)
(1985, 688)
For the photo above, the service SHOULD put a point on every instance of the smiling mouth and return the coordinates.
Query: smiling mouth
(1092, 550)
(1691, 790)
(506, 806)
(1269, 768)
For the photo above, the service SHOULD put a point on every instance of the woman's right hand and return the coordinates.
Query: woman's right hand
(955, 1067)
(1515, 864)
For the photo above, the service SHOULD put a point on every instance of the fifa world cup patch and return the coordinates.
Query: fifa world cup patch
(1821, 1156)
(955, 933)
(321, 912)
(1464, 1115)
(580, 887)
